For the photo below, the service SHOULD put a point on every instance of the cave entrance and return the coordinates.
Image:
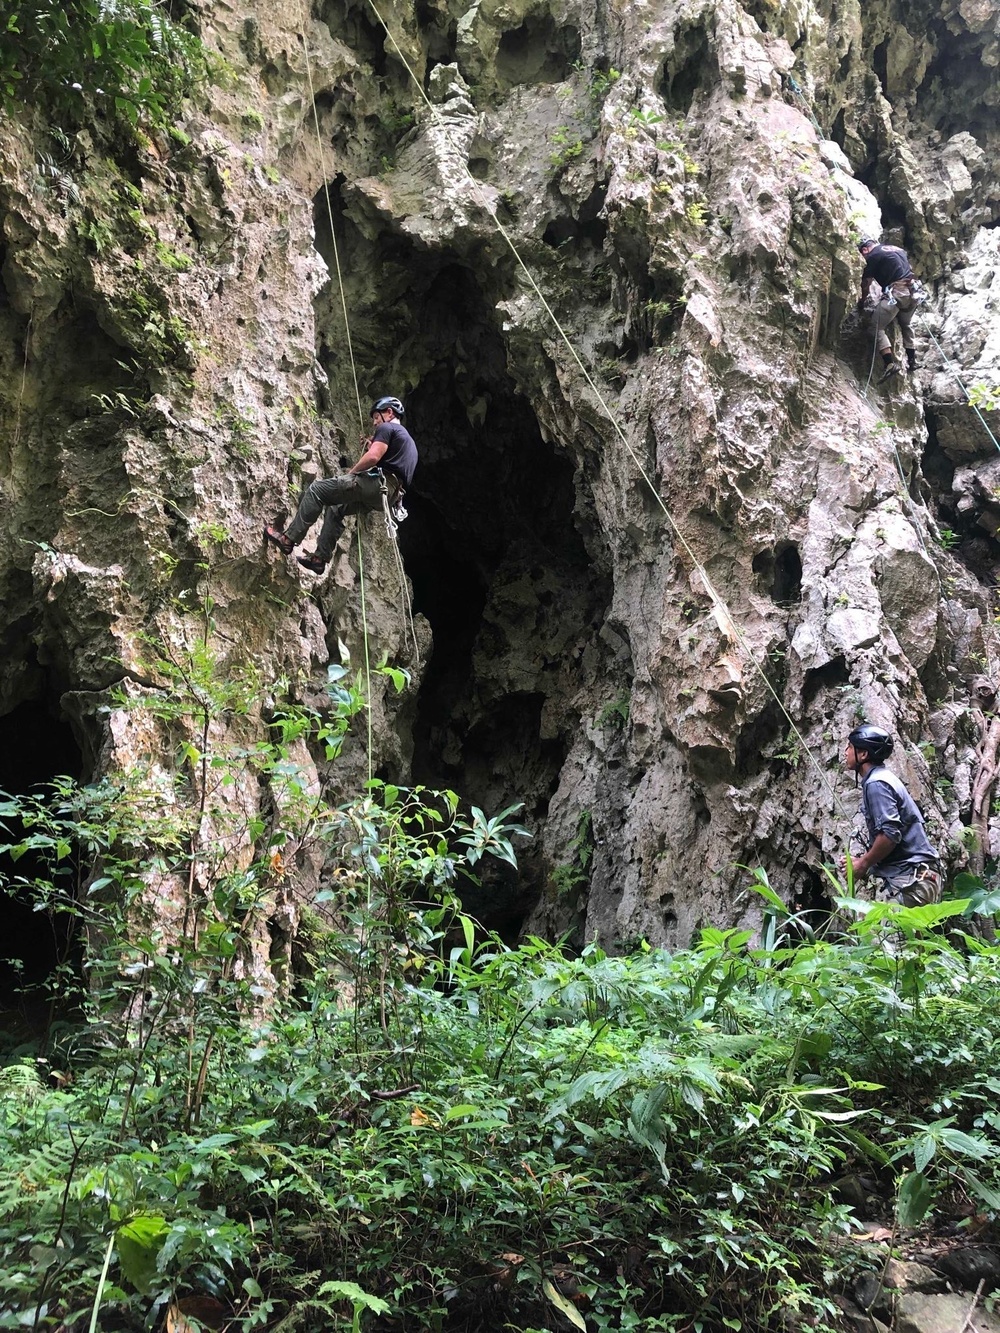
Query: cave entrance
(36, 745)
(494, 556)
(505, 561)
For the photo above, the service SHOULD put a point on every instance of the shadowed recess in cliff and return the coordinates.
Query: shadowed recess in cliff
(539, 51)
(497, 565)
(36, 745)
(689, 66)
(491, 546)
(496, 562)
(354, 24)
(779, 573)
(966, 505)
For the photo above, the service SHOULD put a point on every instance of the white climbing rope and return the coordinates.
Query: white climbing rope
(724, 619)
(958, 380)
(391, 527)
(354, 373)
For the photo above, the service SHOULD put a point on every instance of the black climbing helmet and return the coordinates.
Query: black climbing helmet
(875, 742)
(865, 242)
(381, 404)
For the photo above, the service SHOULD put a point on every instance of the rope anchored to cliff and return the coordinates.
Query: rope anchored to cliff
(949, 365)
(724, 619)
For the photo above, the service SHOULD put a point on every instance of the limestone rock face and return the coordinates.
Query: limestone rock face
(667, 542)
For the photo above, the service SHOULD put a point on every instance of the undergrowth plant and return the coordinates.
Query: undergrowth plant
(420, 1128)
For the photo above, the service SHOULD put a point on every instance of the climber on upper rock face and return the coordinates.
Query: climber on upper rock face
(899, 852)
(390, 458)
(889, 266)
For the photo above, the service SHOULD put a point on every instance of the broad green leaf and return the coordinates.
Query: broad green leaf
(966, 1144)
(989, 1195)
(469, 931)
(913, 1199)
(216, 1141)
(762, 887)
(924, 1149)
(138, 1243)
(350, 1291)
(564, 1306)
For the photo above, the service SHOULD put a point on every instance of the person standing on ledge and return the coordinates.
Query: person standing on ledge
(899, 853)
(390, 456)
(889, 266)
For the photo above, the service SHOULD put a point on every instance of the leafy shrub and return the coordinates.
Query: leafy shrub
(125, 56)
(433, 1129)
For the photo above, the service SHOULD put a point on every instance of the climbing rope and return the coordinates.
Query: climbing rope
(354, 374)
(904, 488)
(329, 213)
(958, 380)
(391, 527)
(797, 89)
(723, 617)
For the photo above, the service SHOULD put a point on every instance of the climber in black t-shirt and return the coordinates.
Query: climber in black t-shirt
(390, 456)
(889, 266)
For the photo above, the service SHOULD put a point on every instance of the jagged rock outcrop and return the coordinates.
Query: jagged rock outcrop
(655, 585)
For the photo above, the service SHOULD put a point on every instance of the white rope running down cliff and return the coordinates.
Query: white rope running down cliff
(723, 616)
(404, 597)
(357, 388)
(958, 380)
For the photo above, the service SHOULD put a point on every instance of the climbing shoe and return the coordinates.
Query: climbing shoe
(911, 360)
(891, 368)
(314, 563)
(277, 538)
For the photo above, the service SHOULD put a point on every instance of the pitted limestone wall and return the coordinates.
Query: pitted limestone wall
(684, 181)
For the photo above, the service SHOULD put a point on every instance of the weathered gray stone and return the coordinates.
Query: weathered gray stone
(968, 1265)
(917, 1312)
(690, 225)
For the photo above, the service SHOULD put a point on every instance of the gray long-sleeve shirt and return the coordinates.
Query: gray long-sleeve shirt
(890, 809)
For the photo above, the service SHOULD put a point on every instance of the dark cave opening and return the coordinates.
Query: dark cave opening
(494, 543)
(491, 513)
(880, 64)
(587, 230)
(500, 571)
(684, 70)
(779, 573)
(37, 745)
(439, 36)
(354, 25)
(539, 51)
(832, 675)
(957, 63)
(875, 177)
(971, 532)
(758, 740)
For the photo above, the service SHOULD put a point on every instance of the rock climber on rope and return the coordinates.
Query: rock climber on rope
(889, 266)
(899, 852)
(389, 460)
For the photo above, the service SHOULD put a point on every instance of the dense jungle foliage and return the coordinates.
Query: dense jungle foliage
(402, 1124)
(79, 59)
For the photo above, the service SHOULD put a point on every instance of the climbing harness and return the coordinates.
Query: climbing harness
(724, 619)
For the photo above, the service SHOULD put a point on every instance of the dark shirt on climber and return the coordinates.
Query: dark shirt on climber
(886, 264)
(400, 457)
